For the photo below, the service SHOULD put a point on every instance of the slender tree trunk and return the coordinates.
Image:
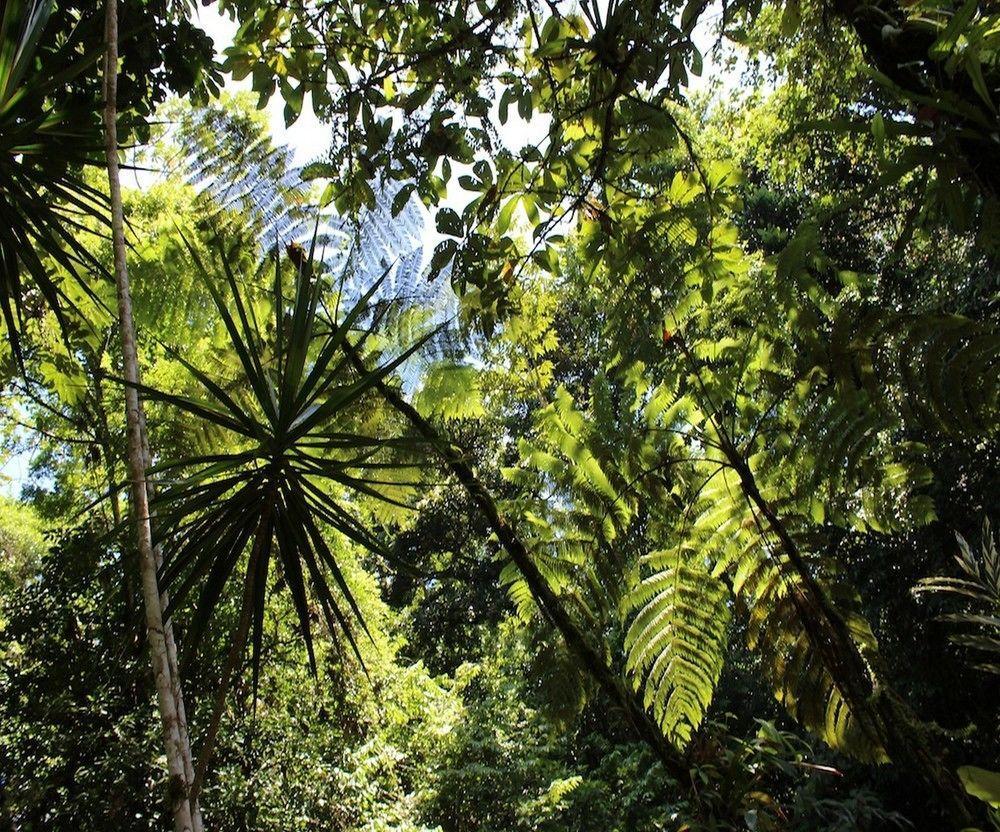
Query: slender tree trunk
(178, 781)
(171, 644)
(582, 648)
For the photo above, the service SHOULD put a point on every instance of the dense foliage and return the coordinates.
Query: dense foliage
(563, 449)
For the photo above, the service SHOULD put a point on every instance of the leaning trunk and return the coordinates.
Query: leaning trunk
(178, 779)
(882, 713)
(579, 644)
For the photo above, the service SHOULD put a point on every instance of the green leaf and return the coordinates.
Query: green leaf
(401, 198)
(449, 222)
(791, 18)
(295, 461)
(981, 783)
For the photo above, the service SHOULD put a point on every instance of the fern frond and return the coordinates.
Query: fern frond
(800, 678)
(451, 390)
(979, 591)
(937, 372)
(558, 565)
(239, 173)
(676, 643)
(769, 596)
(562, 683)
(578, 512)
(840, 457)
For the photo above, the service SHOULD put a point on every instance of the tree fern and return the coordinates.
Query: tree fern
(227, 155)
(770, 595)
(938, 373)
(722, 540)
(578, 509)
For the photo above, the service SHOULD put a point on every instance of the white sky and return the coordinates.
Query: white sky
(307, 137)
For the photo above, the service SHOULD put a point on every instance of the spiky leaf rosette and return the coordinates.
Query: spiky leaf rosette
(45, 144)
(294, 461)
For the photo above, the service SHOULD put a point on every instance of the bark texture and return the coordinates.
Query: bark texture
(163, 678)
(171, 645)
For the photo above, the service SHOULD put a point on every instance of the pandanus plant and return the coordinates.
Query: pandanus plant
(47, 140)
(292, 460)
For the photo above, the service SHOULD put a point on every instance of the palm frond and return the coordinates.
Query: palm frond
(45, 144)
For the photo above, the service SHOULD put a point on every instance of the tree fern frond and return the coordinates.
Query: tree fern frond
(553, 565)
(676, 643)
(580, 509)
(451, 390)
(769, 595)
(560, 679)
(230, 159)
(800, 679)
(844, 462)
(937, 372)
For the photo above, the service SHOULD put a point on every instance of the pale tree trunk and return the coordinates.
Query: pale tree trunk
(179, 782)
(171, 644)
